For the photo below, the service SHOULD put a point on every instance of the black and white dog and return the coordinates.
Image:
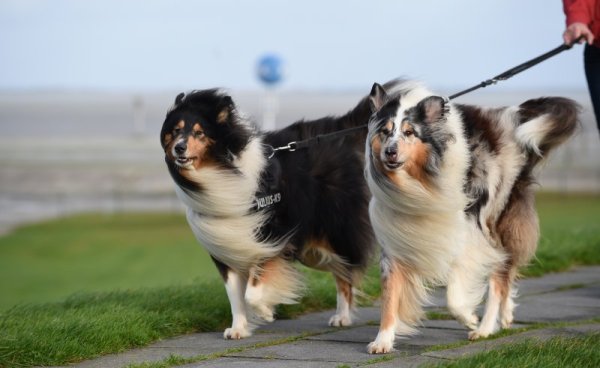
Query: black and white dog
(452, 201)
(255, 213)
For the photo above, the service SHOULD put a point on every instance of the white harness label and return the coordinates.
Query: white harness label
(268, 200)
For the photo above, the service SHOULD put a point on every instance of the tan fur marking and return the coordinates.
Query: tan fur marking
(320, 255)
(267, 271)
(197, 128)
(255, 275)
(312, 254)
(168, 138)
(345, 288)
(416, 154)
(415, 166)
(180, 125)
(518, 226)
(399, 297)
(502, 282)
(376, 153)
(390, 300)
(223, 116)
(198, 149)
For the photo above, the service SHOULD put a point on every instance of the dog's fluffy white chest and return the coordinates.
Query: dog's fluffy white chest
(221, 215)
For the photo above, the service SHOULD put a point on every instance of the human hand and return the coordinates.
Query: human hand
(576, 30)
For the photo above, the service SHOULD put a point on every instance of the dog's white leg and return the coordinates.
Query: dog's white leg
(402, 296)
(390, 298)
(507, 307)
(488, 322)
(343, 313)
(461, 302)
(465, 290)
(274, 282)
(255, 295)
(235, 286)
(506, 280)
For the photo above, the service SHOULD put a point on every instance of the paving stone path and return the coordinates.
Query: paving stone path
(307, 341)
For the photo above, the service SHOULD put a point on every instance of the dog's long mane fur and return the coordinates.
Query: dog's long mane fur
(319, 186)
(460, 208)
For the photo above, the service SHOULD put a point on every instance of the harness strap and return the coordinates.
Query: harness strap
(294, 145)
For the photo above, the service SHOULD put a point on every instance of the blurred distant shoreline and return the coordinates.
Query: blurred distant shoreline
(69, 113)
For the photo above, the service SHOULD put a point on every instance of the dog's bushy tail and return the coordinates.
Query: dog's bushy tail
(545, 123)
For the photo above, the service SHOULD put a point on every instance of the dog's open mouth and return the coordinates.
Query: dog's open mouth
(393, 165)
(184, 161)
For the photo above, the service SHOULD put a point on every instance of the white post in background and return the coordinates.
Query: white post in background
(270, 73)
(270, 107)
(139, 116)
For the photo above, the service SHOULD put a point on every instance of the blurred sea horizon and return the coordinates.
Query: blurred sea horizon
(64, 152)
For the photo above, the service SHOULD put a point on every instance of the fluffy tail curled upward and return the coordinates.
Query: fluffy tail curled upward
(545, 123)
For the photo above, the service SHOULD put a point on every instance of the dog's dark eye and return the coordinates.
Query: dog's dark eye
(177, 130)
(198, 134)
(408, 133)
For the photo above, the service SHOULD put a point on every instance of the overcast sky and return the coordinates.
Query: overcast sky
(158, 45)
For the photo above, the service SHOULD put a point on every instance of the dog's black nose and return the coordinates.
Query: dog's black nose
(180, 148)
(391, 152)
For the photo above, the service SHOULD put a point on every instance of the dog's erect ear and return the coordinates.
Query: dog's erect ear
(225, 109)
(179, 98)
(432, 109)
(378, 97)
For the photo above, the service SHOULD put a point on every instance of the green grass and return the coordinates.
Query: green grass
(558, 352)
(94, 252)
(570, 233)
(87, 325)
(512, 331)
(89, 285)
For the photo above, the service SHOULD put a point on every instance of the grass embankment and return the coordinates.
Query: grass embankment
(558, 352)
(141, 255)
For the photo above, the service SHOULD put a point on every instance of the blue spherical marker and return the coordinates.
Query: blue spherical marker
(270, 69)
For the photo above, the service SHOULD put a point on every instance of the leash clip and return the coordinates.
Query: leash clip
(291, 146)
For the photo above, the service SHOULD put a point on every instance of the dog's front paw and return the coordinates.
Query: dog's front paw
(506, 321)
(340, 320)
(471, 322)
(478, 334)
(380, 347)
(236, 333)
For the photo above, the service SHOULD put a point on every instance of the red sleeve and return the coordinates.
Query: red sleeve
(578, 11)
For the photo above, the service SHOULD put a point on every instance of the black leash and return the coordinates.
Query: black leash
(292, 146)
(517, 69)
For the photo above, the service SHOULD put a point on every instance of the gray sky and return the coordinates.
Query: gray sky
(179, 44)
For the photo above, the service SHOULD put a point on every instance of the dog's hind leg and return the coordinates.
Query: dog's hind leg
(506, 279)
(467, 279)
(467, 283)
(274, 282)
(492, 308)
(498, 293)
(345, 300)
(518, 228)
